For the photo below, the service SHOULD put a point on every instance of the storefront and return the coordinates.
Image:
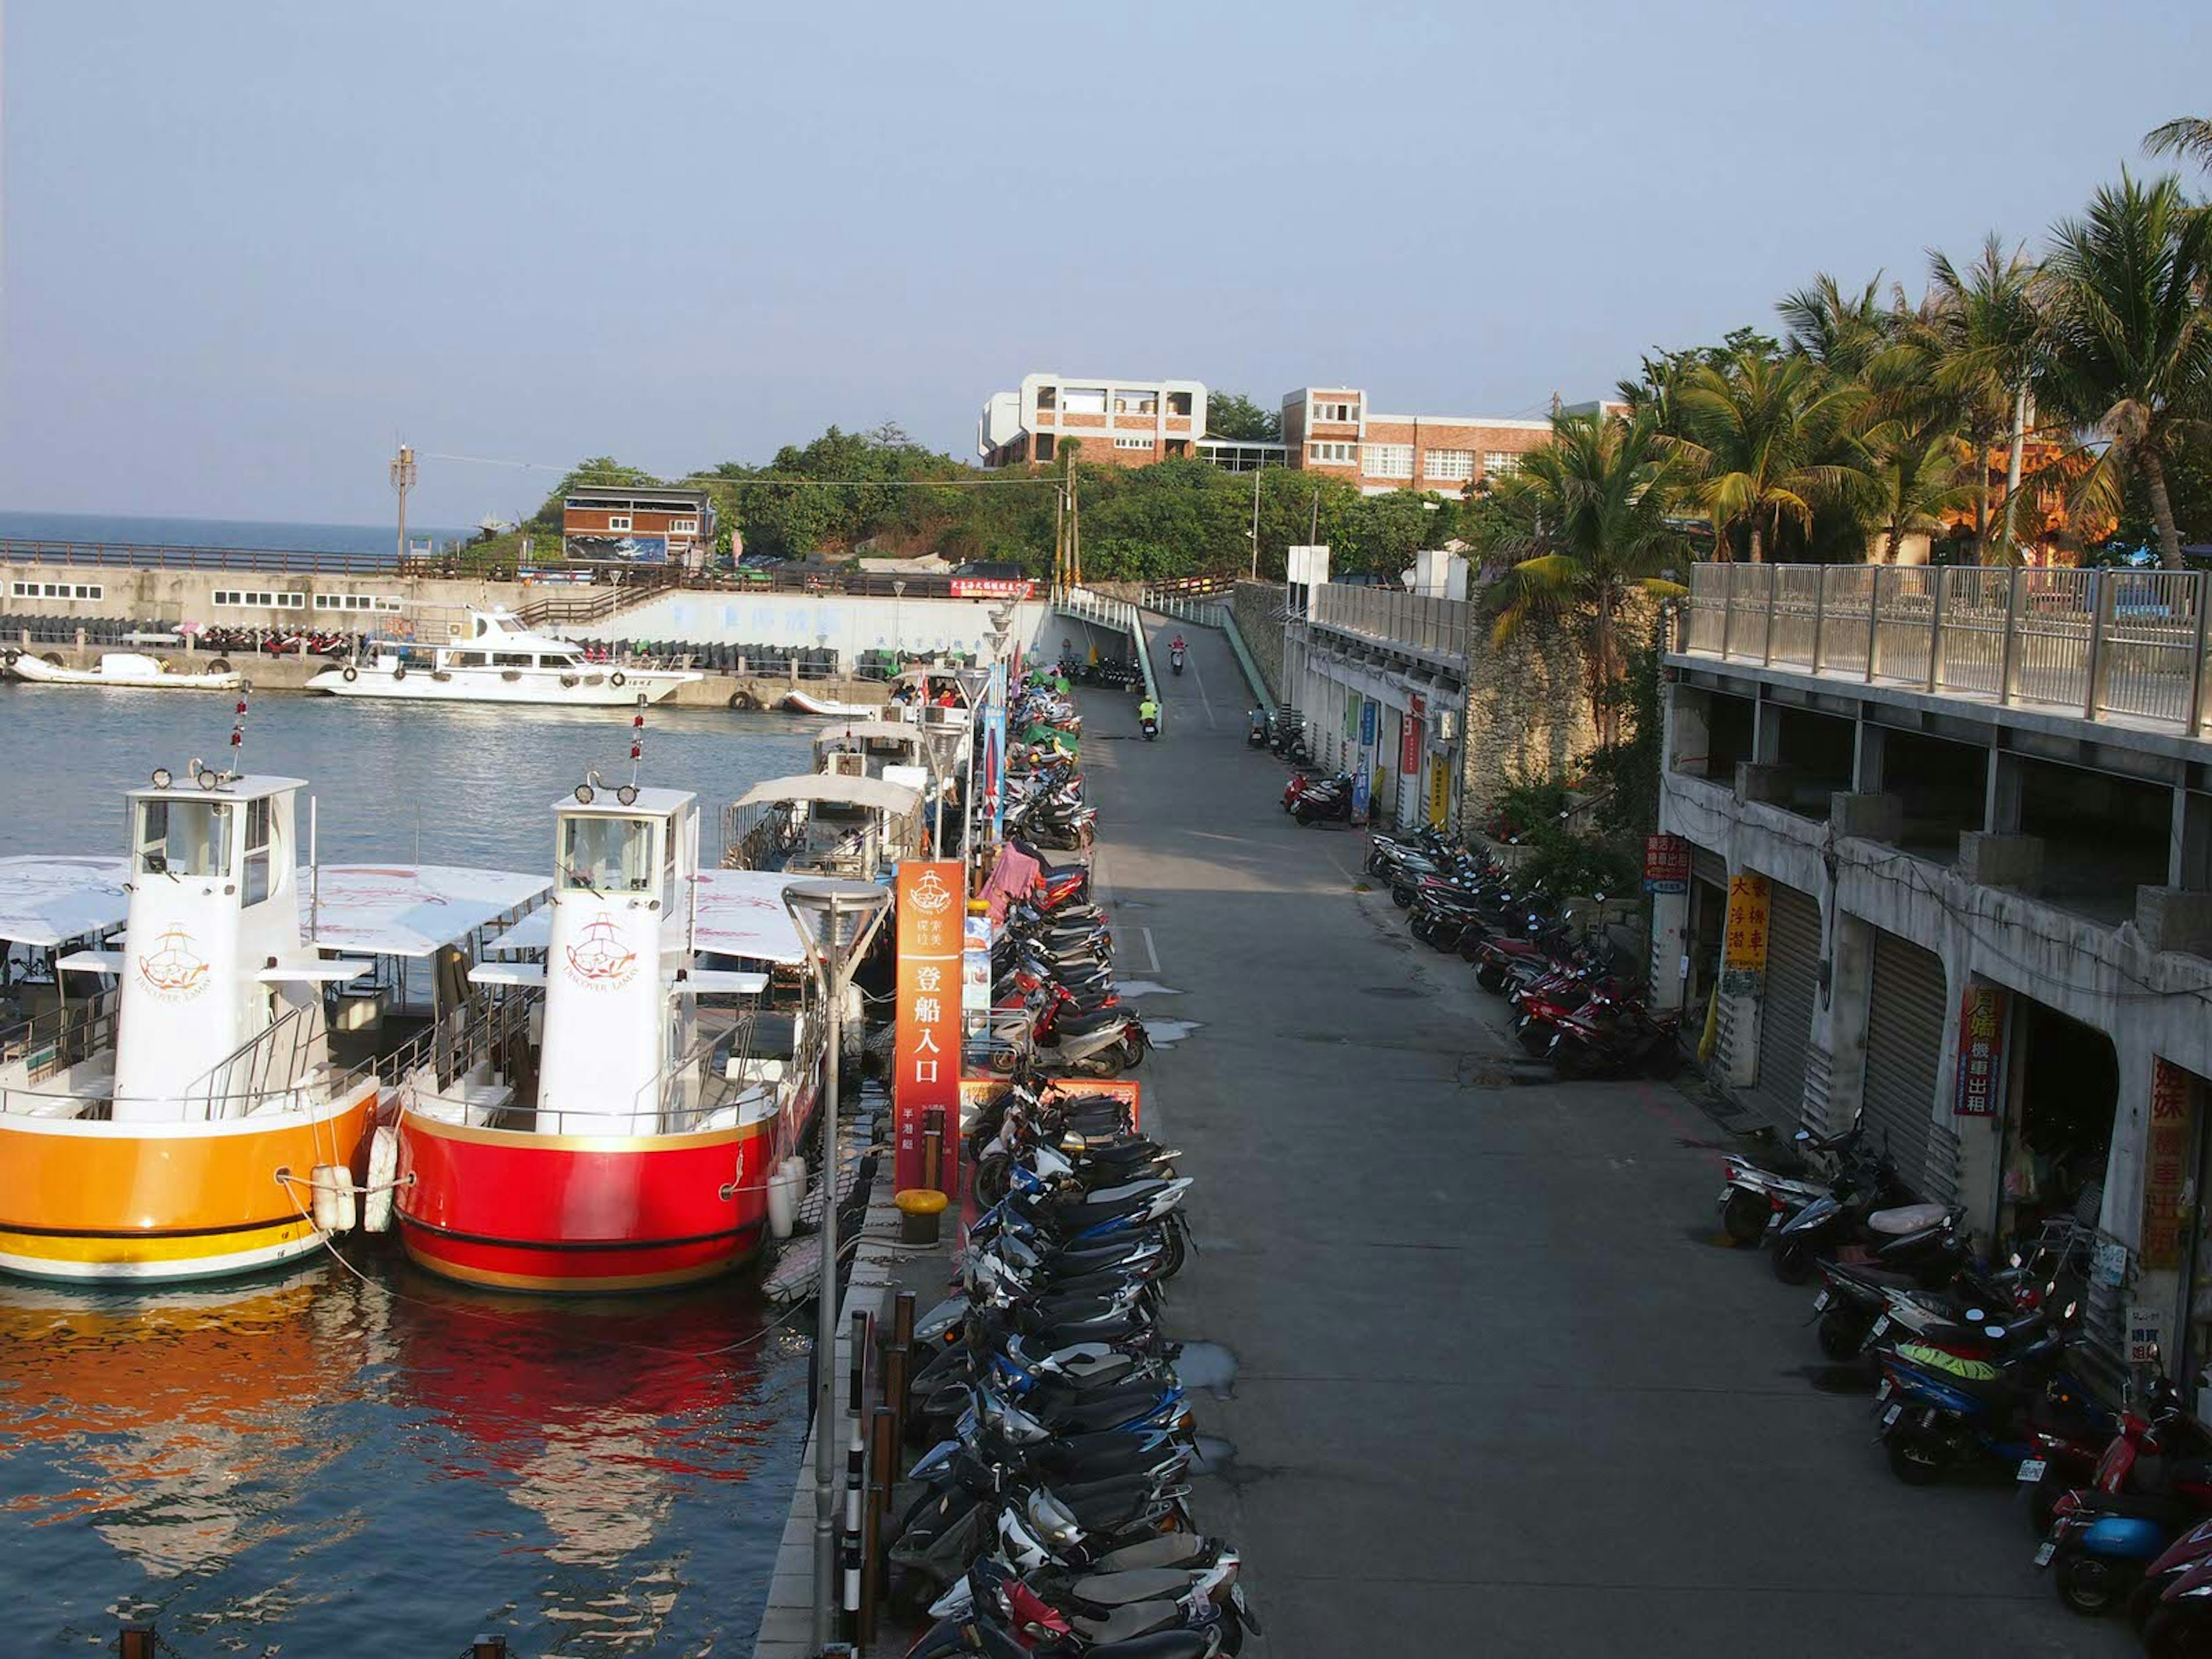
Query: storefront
(1906, 1009)
(1785, 1018)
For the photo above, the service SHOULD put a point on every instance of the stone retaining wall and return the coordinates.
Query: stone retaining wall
(1258, 607)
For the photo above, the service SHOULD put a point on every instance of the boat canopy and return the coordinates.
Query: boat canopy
(740, 914)
(45, 901)
(411, 909)
(873, 793)
(905, 732)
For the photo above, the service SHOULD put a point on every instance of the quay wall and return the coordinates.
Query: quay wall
(847, 624)
(155, 593)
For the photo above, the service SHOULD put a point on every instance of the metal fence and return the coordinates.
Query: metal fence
(1435, 627)
(2094, 642)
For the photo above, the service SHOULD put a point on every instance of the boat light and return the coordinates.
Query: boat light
(163, 777)
(209, 779)
(626, 794)
(586, 794)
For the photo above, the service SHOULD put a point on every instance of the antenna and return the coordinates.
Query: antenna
(403, 480)
(636, 751)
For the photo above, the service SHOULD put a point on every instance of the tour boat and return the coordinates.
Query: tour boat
(194, 1110)
(836, 822)
(633, 1150)
(129, 670)
(500, 661)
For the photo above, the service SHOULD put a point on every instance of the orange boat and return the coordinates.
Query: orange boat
(203, 1104)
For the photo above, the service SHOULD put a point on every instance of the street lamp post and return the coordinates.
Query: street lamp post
(942, 740)
(835, 921)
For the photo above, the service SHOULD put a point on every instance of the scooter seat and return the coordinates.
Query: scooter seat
(1119, 1589)
(1139, 1618)
(1906, 1219)
(1172, 1549)
(1166, 1644)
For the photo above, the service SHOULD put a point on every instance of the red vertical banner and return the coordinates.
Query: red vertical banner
(1981, 1052)
(1409, 735)
(933, 901)
(2165, 1164)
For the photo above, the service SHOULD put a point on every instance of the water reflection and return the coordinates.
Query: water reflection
(351, 1464)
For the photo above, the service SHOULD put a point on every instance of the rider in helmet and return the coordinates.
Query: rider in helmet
(1148, 710)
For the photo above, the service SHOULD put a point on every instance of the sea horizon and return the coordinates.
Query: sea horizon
(180, 529)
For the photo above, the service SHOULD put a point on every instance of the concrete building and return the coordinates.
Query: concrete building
(617, 524)
(1331, 430)
(1119, 422)
(1941, 860)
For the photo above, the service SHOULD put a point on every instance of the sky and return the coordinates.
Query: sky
(251, 245)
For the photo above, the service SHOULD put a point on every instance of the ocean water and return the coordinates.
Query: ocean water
(216, 532)
(353, 1457)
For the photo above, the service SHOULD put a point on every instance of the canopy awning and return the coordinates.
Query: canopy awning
(740, 914)
(409, 909)
(905, 732)
(871, 792)
(45, 901)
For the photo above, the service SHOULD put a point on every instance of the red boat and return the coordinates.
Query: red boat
(619, 1133)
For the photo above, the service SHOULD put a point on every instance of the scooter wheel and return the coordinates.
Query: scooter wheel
(2089, 1585)
(1491, 977)
(1913, 1460)
(1536, 1037)
(991, 1181)
(1403, 897)
(1744, 1217)
(1171, 1252)
(2177, 1633)
(1842, 1333)
(1793, 1263)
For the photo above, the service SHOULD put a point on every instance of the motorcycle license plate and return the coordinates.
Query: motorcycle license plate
(2043, 1555)
(1721, 1203)
(1882, 1393)
(1820, 1303)
(2032, 1469)
(1879, 1325)
(1889, 1418)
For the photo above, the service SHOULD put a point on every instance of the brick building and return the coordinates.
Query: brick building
(1120, 422)
(623, 523)
(1331, 430)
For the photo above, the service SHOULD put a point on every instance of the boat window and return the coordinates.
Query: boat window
(257, 850)
(184, 838)
(606, 854)
(514, 659)
(468, 659)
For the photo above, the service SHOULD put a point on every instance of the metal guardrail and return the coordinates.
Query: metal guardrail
(1203, 613)
(2092, 642)
(1084, 605)
(1413, 622)
(162, 555)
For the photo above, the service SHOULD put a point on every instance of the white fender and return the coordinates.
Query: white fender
(333, 1210)
(781, 1204)
(383, 1170)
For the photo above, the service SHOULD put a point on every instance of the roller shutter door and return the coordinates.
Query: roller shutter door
(1785, 1020)
(1904, 1043)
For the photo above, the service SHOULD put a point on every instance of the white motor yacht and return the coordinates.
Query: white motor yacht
(500, 661)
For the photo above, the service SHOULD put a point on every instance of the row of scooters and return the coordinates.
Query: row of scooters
(1983, 1369)
(1052, 1515)
(1569, 1006)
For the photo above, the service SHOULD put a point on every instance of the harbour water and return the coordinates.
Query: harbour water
(355, 1457)
(18, 525)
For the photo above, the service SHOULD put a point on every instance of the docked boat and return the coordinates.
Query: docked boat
(801, 702)
(632, 1147)
(131, 671)
(832, 822)
(196, 1096)
(500, 661)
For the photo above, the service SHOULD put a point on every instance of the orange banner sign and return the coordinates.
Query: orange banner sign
(2166, 1164)
(932, 901)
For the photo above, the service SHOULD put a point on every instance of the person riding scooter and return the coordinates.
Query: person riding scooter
(1148, 718)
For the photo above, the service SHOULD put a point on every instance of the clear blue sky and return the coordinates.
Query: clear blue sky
(249, 241)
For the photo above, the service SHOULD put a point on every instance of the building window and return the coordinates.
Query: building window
(1455, 465)
(1342, 413)
(355, 602)
(1178, 446)
(253, 599)
(1499, 462)
(683, 526)
(1045, 442)
(617, 521)
(1083, 400)
(1178, 403)
(1332, 454)
(69, 593)
(1389, 461)
(1047, 397)
(1132, 443)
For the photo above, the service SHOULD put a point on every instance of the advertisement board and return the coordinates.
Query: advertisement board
(1743, 948)
(933, 901)
(1981, 1051)
(1666, 864)
(1409, 736)
(618, 549)
(2166, 1165)
(992, 588)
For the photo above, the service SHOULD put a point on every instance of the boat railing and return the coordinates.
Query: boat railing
(68, 1036)
(275, 1061)
(488, 1025)
(760, 837)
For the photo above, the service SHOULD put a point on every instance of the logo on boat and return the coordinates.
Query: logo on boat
(173, 970)
(930, 895)
(600, 960)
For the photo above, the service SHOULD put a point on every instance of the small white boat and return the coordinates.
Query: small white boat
(799, 703)
(500, 661)
(130, 669)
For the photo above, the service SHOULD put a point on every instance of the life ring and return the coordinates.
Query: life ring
(399, 672)
(383, 1171)
(220, 666)
(348, 673)
(617, 679)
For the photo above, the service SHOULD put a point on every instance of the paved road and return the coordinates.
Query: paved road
(1499, 1388)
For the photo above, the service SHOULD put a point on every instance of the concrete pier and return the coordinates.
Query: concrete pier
(1501, 1387)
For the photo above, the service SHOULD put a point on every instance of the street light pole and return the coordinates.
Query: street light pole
(836, 920)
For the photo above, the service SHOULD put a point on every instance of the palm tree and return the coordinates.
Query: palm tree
(1587, 513)
(2128, 338)
(1768, 441)
(2189, 137)
(1987, 329)
(1838, 331)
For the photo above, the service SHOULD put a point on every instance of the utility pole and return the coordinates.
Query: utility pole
(403, 480)
(1256, 472)
(1313, 518)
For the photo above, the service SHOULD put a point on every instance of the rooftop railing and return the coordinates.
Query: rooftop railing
(2095, 643)
(1432, 627)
